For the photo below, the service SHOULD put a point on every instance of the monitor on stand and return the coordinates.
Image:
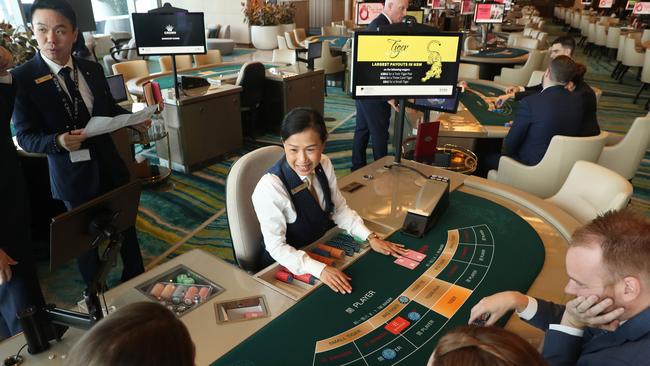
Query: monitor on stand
(97, 222)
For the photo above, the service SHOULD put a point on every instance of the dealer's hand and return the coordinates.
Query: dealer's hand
(72, 140)
(5, 267)
(386, 247)
(584, 312)
(336, 280)
(497, 305)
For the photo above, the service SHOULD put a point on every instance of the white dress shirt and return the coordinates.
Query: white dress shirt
(84, 90)
(275, 209)
(530, 311)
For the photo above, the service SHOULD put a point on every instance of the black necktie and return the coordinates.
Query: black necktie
(83, 115)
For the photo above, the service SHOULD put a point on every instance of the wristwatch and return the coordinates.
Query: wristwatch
(372, 236)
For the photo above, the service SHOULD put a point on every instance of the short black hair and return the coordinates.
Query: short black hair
(300, 119)
(565, 42)
(60, 6)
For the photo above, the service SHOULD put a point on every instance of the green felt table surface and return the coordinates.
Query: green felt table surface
(216, 72)
(501, 53)
(337, 41)
(479, 107)
(498, 251)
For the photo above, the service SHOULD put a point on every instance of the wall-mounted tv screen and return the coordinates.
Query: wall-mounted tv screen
(178, 33)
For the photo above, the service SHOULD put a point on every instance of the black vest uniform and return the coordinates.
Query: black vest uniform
(312, 222)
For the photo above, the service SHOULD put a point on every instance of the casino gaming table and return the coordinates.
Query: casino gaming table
(396, 313)
(337, 42)
(226, 72)
(479, 99)
(491, 61)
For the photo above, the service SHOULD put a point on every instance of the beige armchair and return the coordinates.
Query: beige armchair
(520, 76)
(625, 156)
(545, 179)
(591, 190)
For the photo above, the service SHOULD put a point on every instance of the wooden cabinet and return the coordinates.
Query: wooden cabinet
(202, 128)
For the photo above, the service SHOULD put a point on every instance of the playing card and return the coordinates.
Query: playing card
(416, 256)
(405, 262)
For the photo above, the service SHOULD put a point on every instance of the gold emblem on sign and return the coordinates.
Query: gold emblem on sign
(434, 60)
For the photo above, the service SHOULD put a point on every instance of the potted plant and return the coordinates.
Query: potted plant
(21, 44)
(287, 17)
(264, 20)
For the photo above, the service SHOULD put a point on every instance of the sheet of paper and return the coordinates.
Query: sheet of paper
(100, 125)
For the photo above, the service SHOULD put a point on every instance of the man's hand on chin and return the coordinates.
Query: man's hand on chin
(591, 312)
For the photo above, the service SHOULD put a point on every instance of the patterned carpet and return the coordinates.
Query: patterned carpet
(192, 215)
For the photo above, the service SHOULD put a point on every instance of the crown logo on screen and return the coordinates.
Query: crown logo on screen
(169, 29)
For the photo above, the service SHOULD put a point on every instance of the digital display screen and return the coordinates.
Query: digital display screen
(169, 33)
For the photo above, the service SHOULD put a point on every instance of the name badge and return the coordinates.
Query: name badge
(301, 187)
(43, 79)
(79, 155)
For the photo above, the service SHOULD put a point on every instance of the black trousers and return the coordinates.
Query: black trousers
(21, 292)
(373, 120)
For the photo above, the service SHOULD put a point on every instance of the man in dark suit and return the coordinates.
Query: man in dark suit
(608, 321)
(564, 46)
(554, 111)
(56, 96)
(373, 116)
(19, 287)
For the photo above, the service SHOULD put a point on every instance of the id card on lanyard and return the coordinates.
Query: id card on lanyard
(73, 113)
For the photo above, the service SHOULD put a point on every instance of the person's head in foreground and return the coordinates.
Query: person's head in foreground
(561, 70)
(303, 133)
(142, 334)
(484, 346)
(609, 258)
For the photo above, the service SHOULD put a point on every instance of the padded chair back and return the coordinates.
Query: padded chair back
(631, 57)
(251, 79)
(470, 44)
(284, 56)
(520, 76)
(598, 93)
(542, 37)
(645, 36)
(225, 32)
(299, 34)
(526, 43)
(535, 78)
(213, 32)
(282, 43)
(591, 35)
(612, 37)
(645, 73)
(329, 63)
(621, 48)
(591, 190)
(546, 178)
(131, 69)
(291, 41)
(527, 31)
(512, 37)
(601, 35)
(245, 230)
(210, 57)
(182, 62)
(625, 157)
(468, 71)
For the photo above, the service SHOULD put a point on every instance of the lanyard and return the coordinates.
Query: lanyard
(73, 112)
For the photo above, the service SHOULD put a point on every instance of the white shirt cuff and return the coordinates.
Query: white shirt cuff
(314, 267)
(568, 330)
(7, 79)
(530, 310)
(522, 88)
